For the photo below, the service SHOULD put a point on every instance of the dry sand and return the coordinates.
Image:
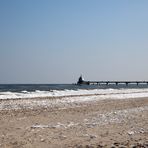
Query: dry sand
(104, 123)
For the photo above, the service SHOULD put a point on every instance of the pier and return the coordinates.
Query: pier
(81, 81)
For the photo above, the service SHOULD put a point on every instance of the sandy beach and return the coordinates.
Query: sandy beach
(89, 124)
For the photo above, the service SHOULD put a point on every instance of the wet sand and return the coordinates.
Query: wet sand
(103, 123)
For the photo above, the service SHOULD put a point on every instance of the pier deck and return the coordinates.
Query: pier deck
(115, 82)
(81, 81)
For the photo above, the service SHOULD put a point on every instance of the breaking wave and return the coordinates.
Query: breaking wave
(102, 93)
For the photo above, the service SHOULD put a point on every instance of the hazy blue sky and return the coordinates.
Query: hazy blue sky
(54, 41)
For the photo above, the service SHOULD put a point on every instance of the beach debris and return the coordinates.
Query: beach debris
(42, 140)
(89, 136)
(58, 125)
(131, 132)
(62, 137)
(137, 131)
(93, 136)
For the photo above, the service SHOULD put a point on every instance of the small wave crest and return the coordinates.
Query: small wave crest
(103, 93)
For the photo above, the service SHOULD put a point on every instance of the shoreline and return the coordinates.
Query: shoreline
(57, 102)
(74, 93)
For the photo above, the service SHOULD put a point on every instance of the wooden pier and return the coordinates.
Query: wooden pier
(81, 81)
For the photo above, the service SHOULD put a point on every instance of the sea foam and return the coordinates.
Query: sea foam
(101, 93)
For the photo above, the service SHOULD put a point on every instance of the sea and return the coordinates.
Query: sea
(120, 91)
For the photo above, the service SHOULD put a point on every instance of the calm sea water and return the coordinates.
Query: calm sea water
(50, 87)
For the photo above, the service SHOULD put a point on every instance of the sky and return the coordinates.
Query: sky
(55, 41)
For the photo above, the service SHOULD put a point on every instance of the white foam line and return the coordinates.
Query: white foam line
(55, 93)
